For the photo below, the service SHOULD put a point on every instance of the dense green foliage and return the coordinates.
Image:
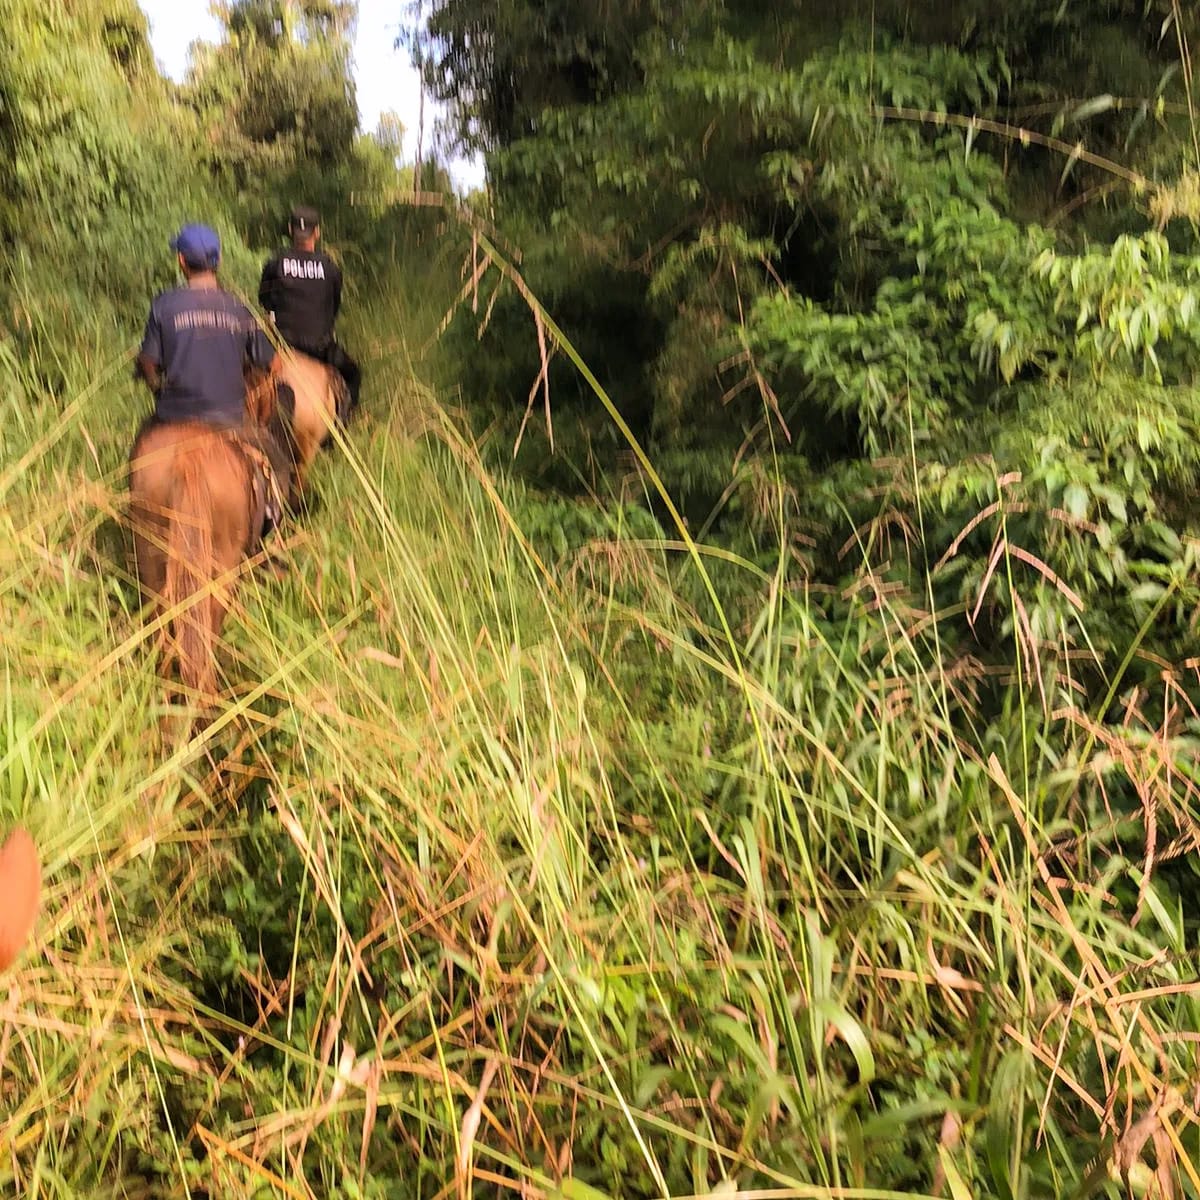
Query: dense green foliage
(900, 302)
(783, 780)
(813, 247)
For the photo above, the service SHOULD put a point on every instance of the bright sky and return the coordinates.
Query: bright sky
(384, 78)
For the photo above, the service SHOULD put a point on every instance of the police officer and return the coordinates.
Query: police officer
(302, 290)
(198, 338)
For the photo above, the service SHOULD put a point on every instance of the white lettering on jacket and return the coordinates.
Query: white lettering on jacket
(205, 318)
(303, 268)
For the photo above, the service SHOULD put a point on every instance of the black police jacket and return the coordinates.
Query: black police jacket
(302, 290)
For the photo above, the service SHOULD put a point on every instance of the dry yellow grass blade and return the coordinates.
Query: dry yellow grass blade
(219, 1146)
(470, 1128)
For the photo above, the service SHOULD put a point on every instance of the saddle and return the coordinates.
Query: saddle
(266, 496)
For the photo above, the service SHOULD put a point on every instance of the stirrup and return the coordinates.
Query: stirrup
(273, 503)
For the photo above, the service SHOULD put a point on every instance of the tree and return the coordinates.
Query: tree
(389, 133)
(278, 100)
(500, 65)
(672, 148)
(99, 165)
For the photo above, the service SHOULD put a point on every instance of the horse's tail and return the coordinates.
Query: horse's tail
(191, 572)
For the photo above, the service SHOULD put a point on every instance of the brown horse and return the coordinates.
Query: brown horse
(190, 505)
(197, 505)
(322, 399)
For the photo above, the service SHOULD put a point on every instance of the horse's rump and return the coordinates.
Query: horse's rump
(190, 504)
(318, 390)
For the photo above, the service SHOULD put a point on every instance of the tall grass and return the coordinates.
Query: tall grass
(494, 875)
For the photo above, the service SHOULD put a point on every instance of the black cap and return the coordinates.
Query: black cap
(304, 219)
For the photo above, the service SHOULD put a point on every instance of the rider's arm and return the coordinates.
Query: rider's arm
(148, 365)
(266, 285)
(259, 351)
(150, 371)
(335, 283)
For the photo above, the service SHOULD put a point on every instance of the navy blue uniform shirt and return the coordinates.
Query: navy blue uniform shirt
(201, 338)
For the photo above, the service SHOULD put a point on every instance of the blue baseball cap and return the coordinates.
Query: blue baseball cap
(199, 245)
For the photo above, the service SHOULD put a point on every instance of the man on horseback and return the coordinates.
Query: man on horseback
(302, 290)
(198, 343)
(198, 340)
